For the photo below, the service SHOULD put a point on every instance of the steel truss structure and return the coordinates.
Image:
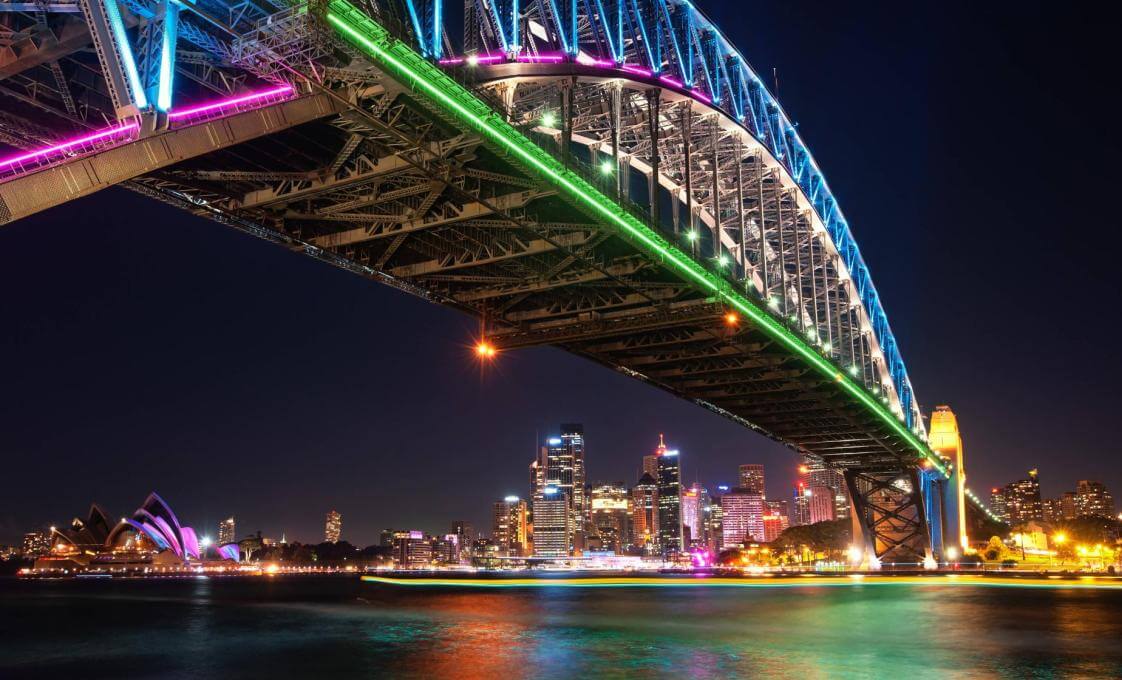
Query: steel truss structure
(607, 177)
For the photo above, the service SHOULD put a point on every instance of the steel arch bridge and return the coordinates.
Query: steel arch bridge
(610, 177)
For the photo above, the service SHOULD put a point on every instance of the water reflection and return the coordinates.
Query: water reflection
(318, 627)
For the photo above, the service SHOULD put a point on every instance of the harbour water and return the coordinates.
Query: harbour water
(314, 627)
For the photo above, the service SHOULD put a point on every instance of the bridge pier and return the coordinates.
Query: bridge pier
(890, 520)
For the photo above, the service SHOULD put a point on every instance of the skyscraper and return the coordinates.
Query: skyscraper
(1022, 499)
(742, 516)
(998, 505)
(670, 537)
(465, 536)
(821, 505)
(510, 526)
(333, 527)
(694, 500)
(752, 478)
(1093, 500)
(227, 531)
(552, 528)
(561, 465)
(609, 517)
(815, 473)
(644, 514)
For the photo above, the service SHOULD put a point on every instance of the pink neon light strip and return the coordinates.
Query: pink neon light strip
(541, 58)
(670, 81)
(226, 103)
(42, 153)
(702, 96)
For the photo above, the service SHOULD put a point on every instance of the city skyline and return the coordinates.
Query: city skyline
(226, 370)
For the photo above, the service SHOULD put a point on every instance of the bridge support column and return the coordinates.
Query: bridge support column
(888, 510)
(653, 100)
(934, 490)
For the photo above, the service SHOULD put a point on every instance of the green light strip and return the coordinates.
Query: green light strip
(803, 581)
(414, 68)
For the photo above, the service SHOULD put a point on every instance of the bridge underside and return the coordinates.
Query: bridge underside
(384, 182)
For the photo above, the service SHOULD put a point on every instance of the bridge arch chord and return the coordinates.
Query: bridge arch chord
(447, 98)
(671, 45)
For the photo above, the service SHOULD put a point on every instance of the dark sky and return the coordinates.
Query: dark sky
(971, 148)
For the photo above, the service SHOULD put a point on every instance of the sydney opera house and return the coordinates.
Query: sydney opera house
(152, 538)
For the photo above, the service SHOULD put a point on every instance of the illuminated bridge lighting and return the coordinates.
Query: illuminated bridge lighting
(34, 160)
(239, 103)
(399, 58)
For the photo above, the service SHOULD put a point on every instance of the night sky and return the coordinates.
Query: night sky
(971, 148)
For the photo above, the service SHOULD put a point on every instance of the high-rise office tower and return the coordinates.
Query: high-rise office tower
(1093, 500)
(227, 531)
(333, 527)
(670, 535)
(814, 473)
(561, 465)
(752, 478)
(1068, 510)
(465, 536)
(821, 504)
(510, 526)
(552, 523)
(743, 516)
(998, 505)
(1022, 499)
(650, 465)
(694, 500)
(644, 514)
(715, 525)
(774, 524)
(609, 513)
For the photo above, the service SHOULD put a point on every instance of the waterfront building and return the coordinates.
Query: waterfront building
(714, 525)
(644, 514)
(411, 550)
(446, 549)
(36, 544)
(561, 465)
(1093, 500)
(752, 478)
(780, 507)
(465, 536)
(1022, 499)
(997, 504)
(1068, 509)
(814, 472)
(227, 531)
(1053, 509)
(333, 527)
(609, 516)
(742, 513)
(774, 524)
(670, 535)
(510, 526)
(692, 519)
(800, 504)
(552, 523)
(821, 504)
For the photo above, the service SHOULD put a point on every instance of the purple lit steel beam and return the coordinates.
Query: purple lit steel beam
(40, 155)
